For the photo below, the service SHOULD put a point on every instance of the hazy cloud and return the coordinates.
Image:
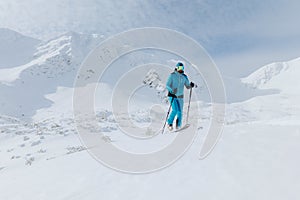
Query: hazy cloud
(227, 29)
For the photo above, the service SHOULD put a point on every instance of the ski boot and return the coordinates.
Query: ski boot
(170, 127)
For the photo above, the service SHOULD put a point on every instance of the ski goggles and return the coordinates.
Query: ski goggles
(180, 68)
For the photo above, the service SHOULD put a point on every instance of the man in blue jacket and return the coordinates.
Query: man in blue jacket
(175, 85)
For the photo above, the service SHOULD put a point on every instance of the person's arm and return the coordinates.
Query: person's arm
(187, 82)
(169, 84)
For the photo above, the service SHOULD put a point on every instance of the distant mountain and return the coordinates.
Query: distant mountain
(52, 64)
(277, 95)
(15, 48)
(283, 76)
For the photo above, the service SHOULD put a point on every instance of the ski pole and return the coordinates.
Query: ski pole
(167, 115)
(188, 111)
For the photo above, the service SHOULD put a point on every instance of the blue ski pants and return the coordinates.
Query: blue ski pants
(177, 110)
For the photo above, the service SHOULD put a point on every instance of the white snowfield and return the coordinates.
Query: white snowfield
(41, 156)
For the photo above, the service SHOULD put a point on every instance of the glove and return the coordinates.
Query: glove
(172, 95)
(192, 84)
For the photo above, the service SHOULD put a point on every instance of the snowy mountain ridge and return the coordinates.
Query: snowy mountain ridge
(263, 75)
(52, 64)
(280, 75)
(15, 48)
(64, 53)
(55, 62)
(55, 57)
(278, 103)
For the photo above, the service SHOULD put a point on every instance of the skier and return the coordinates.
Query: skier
(175, 86)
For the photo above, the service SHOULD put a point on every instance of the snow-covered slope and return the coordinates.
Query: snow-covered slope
(281, 105)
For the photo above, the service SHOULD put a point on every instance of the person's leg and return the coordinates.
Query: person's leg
(174, 110)
(179, 111)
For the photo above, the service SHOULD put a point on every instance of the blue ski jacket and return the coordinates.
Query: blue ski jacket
(176, 82)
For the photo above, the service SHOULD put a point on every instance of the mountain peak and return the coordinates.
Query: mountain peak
(8, 34)
(279, 75)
